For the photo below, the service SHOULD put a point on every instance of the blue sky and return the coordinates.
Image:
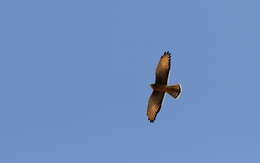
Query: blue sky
(75, 81)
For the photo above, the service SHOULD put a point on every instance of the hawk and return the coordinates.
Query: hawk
(160, 87)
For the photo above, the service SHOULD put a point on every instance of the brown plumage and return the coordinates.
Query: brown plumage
(160, 87)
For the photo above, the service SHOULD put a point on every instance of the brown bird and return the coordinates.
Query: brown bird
(160, 87)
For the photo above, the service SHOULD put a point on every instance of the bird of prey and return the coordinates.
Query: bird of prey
(160, 87)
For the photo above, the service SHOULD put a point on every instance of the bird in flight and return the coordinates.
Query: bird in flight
(160, 87)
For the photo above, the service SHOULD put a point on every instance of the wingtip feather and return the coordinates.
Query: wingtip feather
(151, 121)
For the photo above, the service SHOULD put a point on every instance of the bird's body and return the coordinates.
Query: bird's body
(160, 87)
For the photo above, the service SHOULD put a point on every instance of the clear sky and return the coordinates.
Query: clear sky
(75, 81)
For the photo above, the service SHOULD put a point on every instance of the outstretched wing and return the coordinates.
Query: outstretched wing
(154, 105)
(163, 68)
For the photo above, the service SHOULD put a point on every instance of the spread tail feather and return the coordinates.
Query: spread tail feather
(174, 90)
